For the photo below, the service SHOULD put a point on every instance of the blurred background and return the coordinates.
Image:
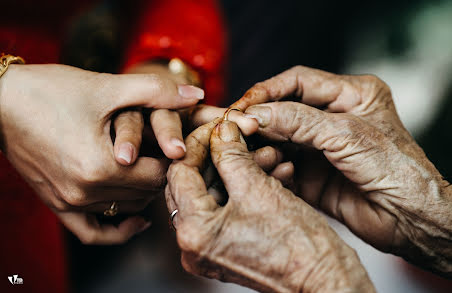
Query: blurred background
(408, 44)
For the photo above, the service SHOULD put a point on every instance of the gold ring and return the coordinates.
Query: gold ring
(6, 60)
(226, 114)
(112, 211)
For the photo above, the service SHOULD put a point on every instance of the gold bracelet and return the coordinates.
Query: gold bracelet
(178, 67)
(6, 60)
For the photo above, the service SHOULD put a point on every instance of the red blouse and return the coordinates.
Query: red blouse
(32, 243)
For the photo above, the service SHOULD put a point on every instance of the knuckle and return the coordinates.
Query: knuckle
(266, 157)
(295, 120)
(57, 199)
(350, 128)
(268, 153)
(88, 237)
(92, 173)
(174, 173)
(128, 134)
(173, 169)
(373, 80)
(298, 68)
(260, 84)
(74, 199)
(189, 239)
(121, 239)
(62, 204)
(357, 134)
(374, 86)
(127, 119)
(104, 83)
(234, 157)
(347, 122)
(261, 87)
(155, 81)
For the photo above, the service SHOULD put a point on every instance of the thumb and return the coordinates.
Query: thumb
(235, 164)
(351, 144)
(150, 91)
(298, 123)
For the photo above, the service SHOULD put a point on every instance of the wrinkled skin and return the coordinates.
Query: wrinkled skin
(265, 237)
(358, 163)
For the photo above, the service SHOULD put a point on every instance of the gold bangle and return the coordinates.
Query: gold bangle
(178, 67)
(6, 60)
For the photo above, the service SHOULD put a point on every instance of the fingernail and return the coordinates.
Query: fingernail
(126, 152)
(190, 92)
(229, 131)
(263, 113)
(251, 116)
(145, 226)
(177, 142)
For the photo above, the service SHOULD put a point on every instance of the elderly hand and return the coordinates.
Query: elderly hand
(264, 237)
(55, 125)
(368, 172)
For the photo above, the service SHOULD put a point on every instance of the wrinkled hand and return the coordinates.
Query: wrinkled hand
(264, 237)
(367, 171)
(55, 125)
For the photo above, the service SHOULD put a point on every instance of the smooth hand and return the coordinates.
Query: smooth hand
(56, 123)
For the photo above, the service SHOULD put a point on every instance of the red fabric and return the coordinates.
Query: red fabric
(32, 239)
(32, 243)
(191, 30)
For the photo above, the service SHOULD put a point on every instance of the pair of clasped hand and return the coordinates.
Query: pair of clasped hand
(243, 216)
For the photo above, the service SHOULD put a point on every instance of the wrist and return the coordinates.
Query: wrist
(6, 62)
(429, 232)
(339, 271)
(3, 81)
(331, 266)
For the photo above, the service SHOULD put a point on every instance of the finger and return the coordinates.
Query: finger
(147, 90)
(146, 174)
(89, 231)
(202, 114)
(234, 163)
(314, 87)
(167, 128)
(296, 122)
(346, 140)
(284, 172)
(267, 157)
(129, 129)
(186, 184)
